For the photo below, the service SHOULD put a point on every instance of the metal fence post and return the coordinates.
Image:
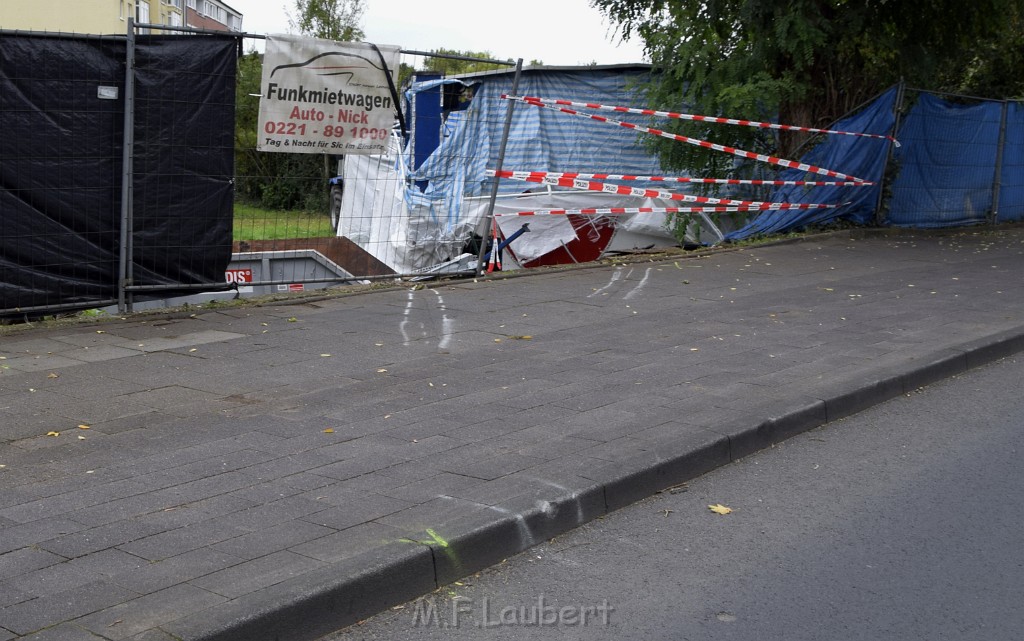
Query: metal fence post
(898, 107)
(1000, 150)
(501, 159)
(124, 269)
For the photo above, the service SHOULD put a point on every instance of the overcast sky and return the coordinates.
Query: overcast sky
(557, 32)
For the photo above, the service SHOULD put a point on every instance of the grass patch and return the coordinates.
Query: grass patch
(254, 223)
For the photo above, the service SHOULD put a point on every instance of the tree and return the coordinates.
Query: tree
(806, 62)
(329, 19)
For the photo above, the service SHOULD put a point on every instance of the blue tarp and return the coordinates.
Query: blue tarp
(942, 174)
(540, 139)
(852, 155)
(946, 166)
(1011, 189)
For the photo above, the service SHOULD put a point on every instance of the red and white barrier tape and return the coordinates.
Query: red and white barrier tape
(608, 188)
(528, 175)
(614, 211)
(774, 160)
(695, 117)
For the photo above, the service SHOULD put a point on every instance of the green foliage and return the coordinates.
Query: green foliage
(451, 66)
(809, 62)
(257, 223)
(329, 19)
(271, 180)
(283, 181)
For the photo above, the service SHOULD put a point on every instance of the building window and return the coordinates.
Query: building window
(191, 4)
(142, 14)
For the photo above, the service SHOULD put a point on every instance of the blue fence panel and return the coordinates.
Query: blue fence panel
(1011, 190)
(946, 164)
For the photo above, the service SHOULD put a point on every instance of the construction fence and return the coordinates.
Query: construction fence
(132, 175)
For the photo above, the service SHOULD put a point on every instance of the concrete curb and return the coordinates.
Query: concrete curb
(349, 591)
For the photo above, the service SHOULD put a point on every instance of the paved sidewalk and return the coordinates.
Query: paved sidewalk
(279, 472)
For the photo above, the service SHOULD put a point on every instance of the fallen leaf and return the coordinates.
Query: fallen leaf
(83, 426)
(325, 355)
(55, 375)
(718, 508)
(382, 371)
(81, 438)
(293, 320)
(193, 350)
(329, 430)
(53, 433)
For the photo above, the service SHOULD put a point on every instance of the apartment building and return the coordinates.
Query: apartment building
(111, 16)
(212, 15)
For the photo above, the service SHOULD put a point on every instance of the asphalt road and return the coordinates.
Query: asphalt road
(903, 522)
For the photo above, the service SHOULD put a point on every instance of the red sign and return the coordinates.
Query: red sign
(238, 275)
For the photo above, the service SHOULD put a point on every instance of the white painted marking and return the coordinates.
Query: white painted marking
(643, 281)
(616, 275)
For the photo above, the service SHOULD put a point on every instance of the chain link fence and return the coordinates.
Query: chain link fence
(131, 175)
(960, 162)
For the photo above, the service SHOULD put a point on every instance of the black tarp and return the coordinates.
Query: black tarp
(61, 169)
(184, 159)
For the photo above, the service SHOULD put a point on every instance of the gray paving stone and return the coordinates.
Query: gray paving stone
(354, 509)
(34, 615)
(26, 534)
(214, 465)
(272, 539)
(183, 539)
(320, 602)
(257, 574)
(96, 539)
(68, 575)
(26, 559)
(10, 595)
(180, 515)
(63, 632)
(354, 541)
(150, 611)
(156, 576)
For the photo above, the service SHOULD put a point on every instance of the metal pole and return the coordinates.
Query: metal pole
(124, 270)
(898, 106)
(501, 159)
(1000, 150)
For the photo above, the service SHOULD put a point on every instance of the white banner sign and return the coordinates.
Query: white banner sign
(326, 97)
